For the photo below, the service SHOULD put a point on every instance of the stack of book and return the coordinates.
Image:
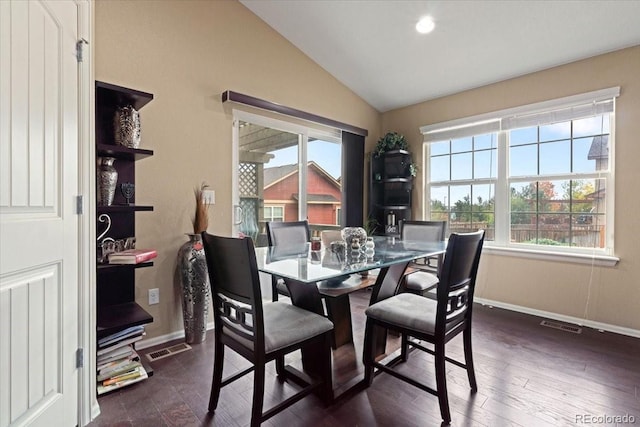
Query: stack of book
(118, 363)
(132, 256)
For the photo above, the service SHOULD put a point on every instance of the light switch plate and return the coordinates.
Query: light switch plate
(209, 197)
(154, 296)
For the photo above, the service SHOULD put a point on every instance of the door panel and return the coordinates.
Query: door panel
(38, 222)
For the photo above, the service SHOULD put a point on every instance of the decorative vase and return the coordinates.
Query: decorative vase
(126, 127)
(194, 281)
(107, 180)
(351, 233)
(369, 247)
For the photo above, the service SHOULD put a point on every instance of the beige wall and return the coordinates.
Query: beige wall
(187, 53)
(599, 294)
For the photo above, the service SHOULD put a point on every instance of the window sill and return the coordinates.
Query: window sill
(590, 259)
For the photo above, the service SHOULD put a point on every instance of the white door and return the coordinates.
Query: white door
(39, 227)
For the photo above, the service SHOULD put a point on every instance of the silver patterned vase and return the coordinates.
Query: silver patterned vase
(194, 281)
(126, 127)
(107, 180)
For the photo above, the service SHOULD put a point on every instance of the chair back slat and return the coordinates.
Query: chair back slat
(288, 232)
(425, 231)
(236, 316)
(457, 279)
(428, 231)
(235, 286)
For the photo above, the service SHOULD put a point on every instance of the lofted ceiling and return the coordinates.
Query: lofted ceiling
(372, 47)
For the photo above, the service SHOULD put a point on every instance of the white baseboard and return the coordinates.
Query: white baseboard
(95, 410)
(152, 342)
(561, 317)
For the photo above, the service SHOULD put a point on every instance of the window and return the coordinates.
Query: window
(290, 170)
(273, 213)
(463, 176)
(535, 177)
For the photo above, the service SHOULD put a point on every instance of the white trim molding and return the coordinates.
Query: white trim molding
(599, 326)
(596, 260)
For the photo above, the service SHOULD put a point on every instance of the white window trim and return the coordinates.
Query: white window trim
(501, 119)
(271, 206)
(500, 122)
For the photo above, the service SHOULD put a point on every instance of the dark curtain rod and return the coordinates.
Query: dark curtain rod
(272, 106)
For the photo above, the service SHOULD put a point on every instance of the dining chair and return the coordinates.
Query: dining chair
(259, 332)
(433, 321)
(285, 232)
(424, 275)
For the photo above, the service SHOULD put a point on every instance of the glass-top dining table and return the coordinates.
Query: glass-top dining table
(309, 275)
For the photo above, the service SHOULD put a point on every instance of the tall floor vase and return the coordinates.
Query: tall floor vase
(194, 281)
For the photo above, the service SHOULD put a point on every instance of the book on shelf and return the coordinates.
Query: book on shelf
(114, 347)
(120, 335)
(115, 367)
(120, 353)
(129, 374)
(132, 256)
(140, 375)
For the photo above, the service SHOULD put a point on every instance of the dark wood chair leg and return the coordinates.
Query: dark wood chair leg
(258, 394)
(404, 348)
(441, 382)
(274, 289)
(468, 359)
(216, 383)
(280, 367)
(368, 352)
(327, 372)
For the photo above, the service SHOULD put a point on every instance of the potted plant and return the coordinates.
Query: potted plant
(394, 141)
(391, 141)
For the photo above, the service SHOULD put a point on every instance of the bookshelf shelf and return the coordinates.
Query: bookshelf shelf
(118, 266)
(123, 208)
(114, 318)
(116, 283)
(122, 153)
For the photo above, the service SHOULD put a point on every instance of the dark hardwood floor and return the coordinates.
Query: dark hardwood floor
(528, 375)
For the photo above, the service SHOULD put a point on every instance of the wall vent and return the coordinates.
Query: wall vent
(562, 326)
(167, 351)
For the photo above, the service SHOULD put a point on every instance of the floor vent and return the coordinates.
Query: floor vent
(168, 351)
(562, 326)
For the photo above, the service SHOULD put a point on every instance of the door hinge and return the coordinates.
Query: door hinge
(79, 205)
(80, 49)
(80, 358)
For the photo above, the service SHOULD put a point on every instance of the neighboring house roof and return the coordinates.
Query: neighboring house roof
(278, 173)
(275, 174)
(599, 148)
(318, 198)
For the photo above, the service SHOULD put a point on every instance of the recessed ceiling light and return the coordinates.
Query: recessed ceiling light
(425, 25)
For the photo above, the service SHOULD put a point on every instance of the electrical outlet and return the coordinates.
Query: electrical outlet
(154, 296)
(209, 197)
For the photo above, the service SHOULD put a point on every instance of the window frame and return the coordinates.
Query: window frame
(500, 123)
(271, 207)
